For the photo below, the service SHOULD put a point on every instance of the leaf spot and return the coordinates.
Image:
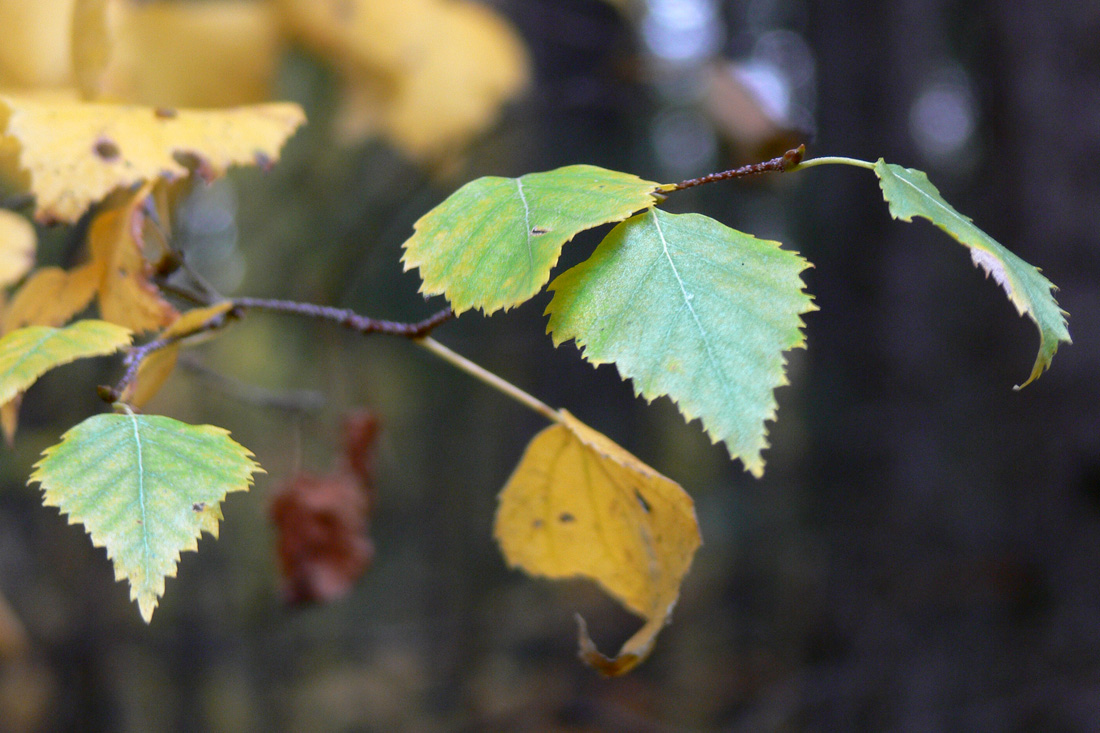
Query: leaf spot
(641, 500)
(107, 149)
(536, 231)
(566, 518)
(199, 506)
(165, 113)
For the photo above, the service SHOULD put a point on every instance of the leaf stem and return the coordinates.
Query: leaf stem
(478, 372)
(832, 160)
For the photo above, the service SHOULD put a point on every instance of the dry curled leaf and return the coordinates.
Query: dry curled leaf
(322, 521)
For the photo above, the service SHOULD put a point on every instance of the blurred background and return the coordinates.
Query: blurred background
(922, 551)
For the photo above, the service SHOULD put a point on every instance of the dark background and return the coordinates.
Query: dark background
(921, 554)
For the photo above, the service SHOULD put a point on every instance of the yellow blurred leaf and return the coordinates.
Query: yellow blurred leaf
(126, 294)
(578, 505)
(17, 245)
(427, 74)
(209, 54)
(91, 39)
(475, 64)
(52, 296)
(157, 367)
(35, 51)
(77, 153)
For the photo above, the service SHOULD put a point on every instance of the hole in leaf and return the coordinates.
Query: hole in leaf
(641, 500)
(199, 506)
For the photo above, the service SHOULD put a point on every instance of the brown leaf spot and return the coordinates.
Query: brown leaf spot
(196, 163)
(107, 149)
(566, 518)
(199, 506)
(165, 113)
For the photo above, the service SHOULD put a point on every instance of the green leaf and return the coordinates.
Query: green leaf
(144, 487)
(689, 308)
(493, 242)
(909, 193)
(28, 353)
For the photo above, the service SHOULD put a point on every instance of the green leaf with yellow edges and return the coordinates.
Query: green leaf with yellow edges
(689, 308)
(144, 487)
(493, 242)
(909, 193)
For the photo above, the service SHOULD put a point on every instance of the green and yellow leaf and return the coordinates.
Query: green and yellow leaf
(909, 193)
(689, 308)
(144, 487)
(578, 505)
(28, 353)
(493, 242)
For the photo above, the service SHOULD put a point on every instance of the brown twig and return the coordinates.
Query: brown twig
(349, 318)
(785, 162)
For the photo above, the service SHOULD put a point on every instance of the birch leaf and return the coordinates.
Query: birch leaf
(578, 505)
(74, 154)
(909, 193)
(689, 308)
(144, 487)
(493, 242)
(28, 353)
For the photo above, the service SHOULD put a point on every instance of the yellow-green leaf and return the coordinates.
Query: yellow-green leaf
(687, 307)
(909, 193)
(493, 242)
(28, 353)
(144, 487)
(578, 505)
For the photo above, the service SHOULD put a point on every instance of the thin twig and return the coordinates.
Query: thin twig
(785, 162)
(349, 318)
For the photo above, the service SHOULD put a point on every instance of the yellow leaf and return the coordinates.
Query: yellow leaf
(209, 54)
(578, 505)
(17, 245)
(428, 74)
(474, 64)
(77, 153)
(157, 367)
(9, 418)
(35, 48)
(91, 39)
(52, 296)
(126, 294)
